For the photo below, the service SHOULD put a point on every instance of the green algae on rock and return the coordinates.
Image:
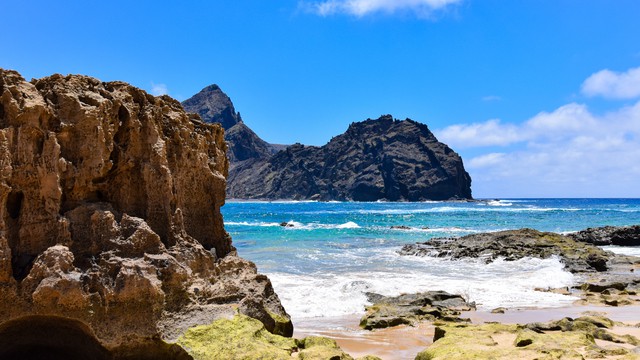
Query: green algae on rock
(241, 337)
(245, 338)
(562, 339)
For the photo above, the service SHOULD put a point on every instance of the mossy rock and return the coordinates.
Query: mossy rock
(245, 338)
(320, 348)
(241, 338)
(499, 341)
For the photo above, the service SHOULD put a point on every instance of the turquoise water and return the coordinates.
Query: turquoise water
(336, 251)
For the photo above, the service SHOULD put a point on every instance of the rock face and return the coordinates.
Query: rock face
(516, 244)
(110, 226)
(383, 159)
(610, 235)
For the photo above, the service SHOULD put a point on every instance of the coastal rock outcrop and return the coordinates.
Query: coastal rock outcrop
(111, 235)
(408, 309)
(609, 235)
(382, 159)
(516, 244)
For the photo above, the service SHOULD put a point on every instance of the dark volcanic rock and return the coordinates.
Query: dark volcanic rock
(214, 106)
(514, 245)
(407, 309)
(383, 159)
(610, 235)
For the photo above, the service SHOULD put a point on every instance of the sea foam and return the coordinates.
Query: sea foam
(508, 284)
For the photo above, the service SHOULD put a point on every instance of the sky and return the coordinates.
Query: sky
(540, 98)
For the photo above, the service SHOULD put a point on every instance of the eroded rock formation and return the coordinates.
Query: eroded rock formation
(110, 221)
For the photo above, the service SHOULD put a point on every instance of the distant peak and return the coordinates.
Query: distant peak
(212, 87)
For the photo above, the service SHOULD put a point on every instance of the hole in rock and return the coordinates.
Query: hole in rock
(123, 114)
(57, 338)
(14, 203)
(21, 265)
(1, 111)
(49, 337)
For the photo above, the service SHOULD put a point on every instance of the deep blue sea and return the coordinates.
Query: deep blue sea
(336, 251)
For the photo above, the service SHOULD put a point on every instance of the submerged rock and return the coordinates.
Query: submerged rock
(408, 309)
(610, 235)
(513, 245)
(111, 232)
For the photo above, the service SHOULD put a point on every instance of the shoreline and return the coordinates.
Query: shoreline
(405, 342)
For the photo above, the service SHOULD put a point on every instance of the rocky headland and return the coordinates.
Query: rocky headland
(112, 245)
(382, 159)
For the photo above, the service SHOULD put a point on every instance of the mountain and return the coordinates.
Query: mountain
(214, 106)
(383, 159)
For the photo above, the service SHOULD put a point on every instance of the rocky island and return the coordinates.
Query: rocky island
(381, 159)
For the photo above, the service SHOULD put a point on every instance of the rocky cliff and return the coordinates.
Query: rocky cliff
(383, 159)
(111, 239)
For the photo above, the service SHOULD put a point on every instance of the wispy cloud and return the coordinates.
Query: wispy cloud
(491, 98)
(159, 89)
(360, 8)
(614, 85)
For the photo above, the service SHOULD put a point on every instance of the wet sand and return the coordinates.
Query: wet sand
(397, 343)
(404, 342)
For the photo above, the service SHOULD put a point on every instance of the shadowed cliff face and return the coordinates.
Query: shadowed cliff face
(110, 214)
(383, 159)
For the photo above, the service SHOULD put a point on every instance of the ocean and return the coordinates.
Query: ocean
(336, 251)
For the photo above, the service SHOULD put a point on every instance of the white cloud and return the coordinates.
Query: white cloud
(569, 152)
(614, 85)
(159, 89)
(361, 8)
(491, 98)
(488, 133)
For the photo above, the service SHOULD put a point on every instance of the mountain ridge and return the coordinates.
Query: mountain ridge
(375, 159)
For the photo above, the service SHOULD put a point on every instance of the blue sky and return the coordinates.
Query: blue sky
(541, 98)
